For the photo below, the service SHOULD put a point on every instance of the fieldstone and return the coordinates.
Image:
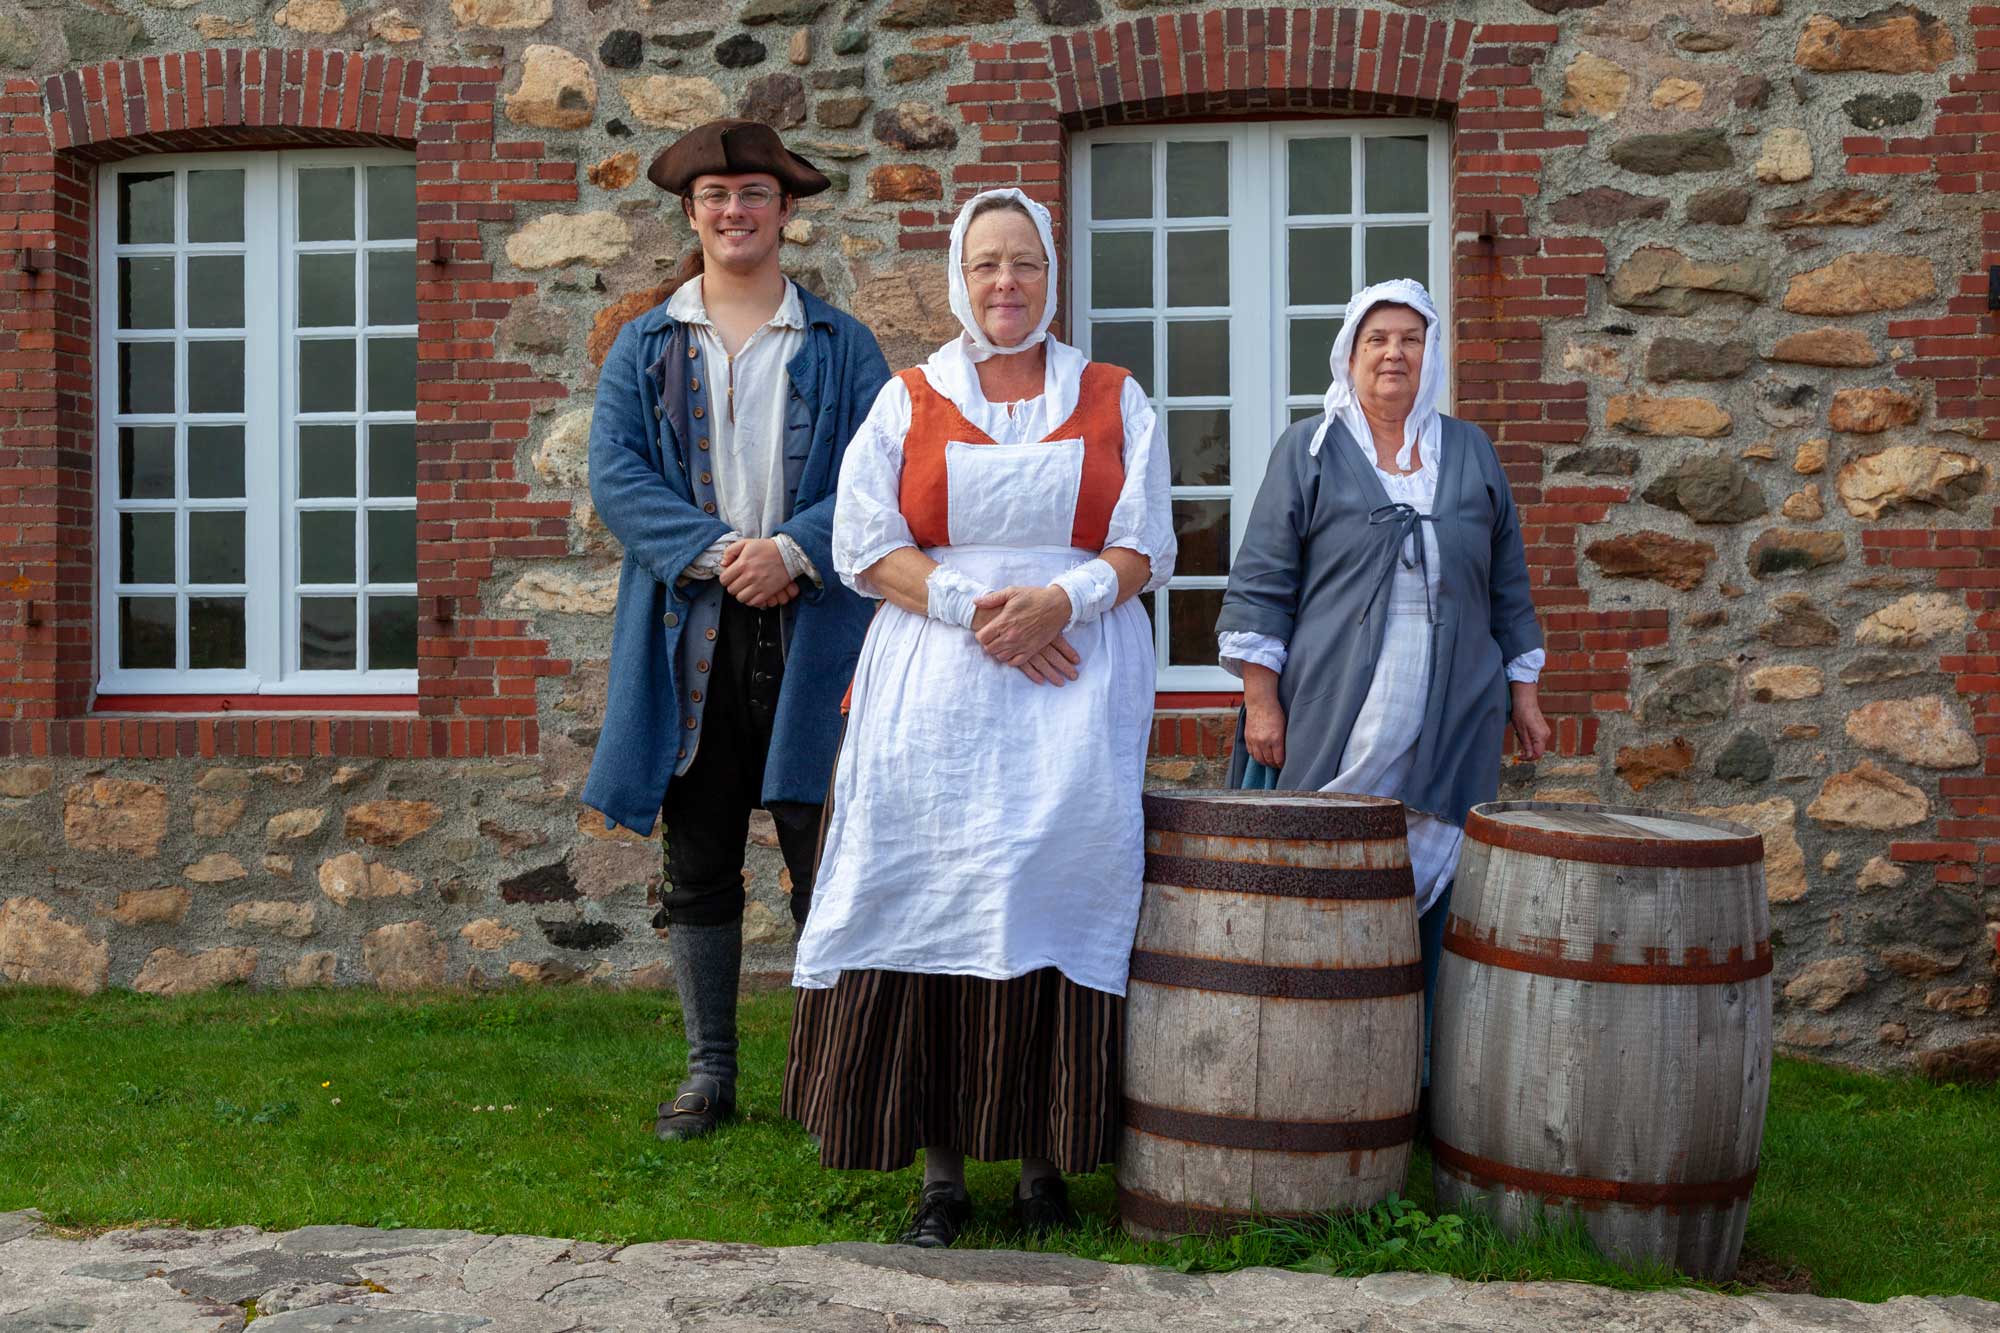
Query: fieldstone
(39, 948)
(310, 970)
(390, 823)
(740, 52)
(778, 100)
(1746, 759)
(1646, 414)
(911, 67)
(1872, 411)
(404, 956)
(93, 35)
(1912, 621)
(914, 126)
(1652, 555)
(487, 935)
(1067, 13)
(295, 921)
(842, 113)
(115, 815)
(1596, 86)
(1600, 460)
(315, 16)
(1893, 1034)
(216, 815)
(1897, 39)
(1875, 111)
(615, 172)
(556, 91)
(944, 13)
(563, 456)
(1678, 94)
(1797, 623)
(1969, 1063)
(1774, 683)
(1909, 475)
(609, 321)
(1700, 693)
(588, 594)
(1810, 458)
(1709, 488)
(511, 842)
(293, 825)
(1868, 797)
(1703, 43)
(1720, 205)
(1917, 964)
(281, 866)
(215, 868)
(349, 876)
(1643, 765)
(832, 80)
(1784, 859)
(850, 41)
(1695, 359)
(25, 781)
(1603, 206)
(782, 11)
(1786, 157)
(531, 326)
(1828, 346)
(1833, 208)
(1923, 731)
(582, 936)
(1805, 505)
(150, 907)
(518, 14)
(622, 48)
(1750, 92)
(1874, 668)
(904, 182)
(907, 307)
(171, 972)
(1662, 280)
(557, 240)
(664, 102)
(1783, 551)
(1824, 985)
(290, 775)
(1881, 873)
(601, 869)
(1971, 1001)
(390, 26)
(550, 883)
(1671, 154)
(1563, 6)
(1858, 283)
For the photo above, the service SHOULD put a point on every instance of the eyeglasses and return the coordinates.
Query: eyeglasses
(1022, 270)
(752, 197)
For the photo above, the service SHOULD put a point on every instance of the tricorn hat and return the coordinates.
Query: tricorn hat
(733, 148)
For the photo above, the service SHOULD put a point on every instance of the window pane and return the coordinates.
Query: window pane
(145, 377)
(215, 546)
(326, 204)
(1198, 443)
(215, 376)
(326, 633)
(392, 374)
(215, 462)
(1197, 268)
(1319, 176)
(392, 633)
(1311, 351)
(326, 546)
(146, 462)
(145, 208)
(326, 291)
(145, 548)
(1397, 252)
(215, 206)
(1202, 526)
(1395, 174)
(1121, 270)
(215, 291)
(1322, 265)
(326, 461)
(392, 460)
(326, 375)
(1313, 412)
(392, 287)
(392, 546)
(146, 633)
(1198, 358)
(1128, 345)
(1121, 180)
(146, 293)
(392, 203)
(1197, 180)
(215, 634)
(1191, 617)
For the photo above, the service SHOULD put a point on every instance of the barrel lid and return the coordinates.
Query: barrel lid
(1321, 815)
(1627, 835)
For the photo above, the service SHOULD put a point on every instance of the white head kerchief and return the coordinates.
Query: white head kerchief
(977, 346)
(1424, 425)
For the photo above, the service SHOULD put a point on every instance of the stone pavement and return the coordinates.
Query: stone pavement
(357, 1280)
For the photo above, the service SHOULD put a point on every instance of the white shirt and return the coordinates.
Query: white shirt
(747, 393)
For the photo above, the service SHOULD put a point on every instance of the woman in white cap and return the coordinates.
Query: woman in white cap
(1378, 611)
(961, 978)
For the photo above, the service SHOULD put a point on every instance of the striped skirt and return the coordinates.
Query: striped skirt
(885, 1063)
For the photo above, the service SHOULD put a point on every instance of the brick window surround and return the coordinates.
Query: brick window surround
(477, 676)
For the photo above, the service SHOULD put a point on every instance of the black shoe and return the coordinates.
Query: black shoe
(691, 1115)
(943, 1211)
(1045, 1207)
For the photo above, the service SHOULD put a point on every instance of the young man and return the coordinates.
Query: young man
(715, 450)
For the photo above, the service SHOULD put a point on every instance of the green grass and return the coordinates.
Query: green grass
(532, 1112)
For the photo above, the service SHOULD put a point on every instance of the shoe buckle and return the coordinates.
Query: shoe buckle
(699, 1107)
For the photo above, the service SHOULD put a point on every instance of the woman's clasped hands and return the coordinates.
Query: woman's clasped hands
(1023, 628)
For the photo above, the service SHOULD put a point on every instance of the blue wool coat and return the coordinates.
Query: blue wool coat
(649, 480)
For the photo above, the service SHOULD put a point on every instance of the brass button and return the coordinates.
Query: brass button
(698, 414)
(658, 411)
(694, 384)
(691, 724)
(702, 442)
(683, 753)
(705, 479)
(708, 508)
(708, 634)
(693, 352)
(695, 695)
(671, 619)
(701, 666)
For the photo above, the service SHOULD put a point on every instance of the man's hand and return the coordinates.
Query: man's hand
(1531, 729)
(1263, 716)
(754, 573)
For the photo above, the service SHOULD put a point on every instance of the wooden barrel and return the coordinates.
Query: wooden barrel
(1274, 1017)
(1602, 1041)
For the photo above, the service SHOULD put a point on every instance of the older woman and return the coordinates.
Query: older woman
(961, 975)
(1378, 611)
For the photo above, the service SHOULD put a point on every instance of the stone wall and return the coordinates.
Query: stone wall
(1719, 297)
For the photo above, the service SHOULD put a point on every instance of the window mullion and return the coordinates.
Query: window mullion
(267, 472)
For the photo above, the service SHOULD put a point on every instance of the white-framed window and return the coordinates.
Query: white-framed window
(256, 389)
(1215, 263)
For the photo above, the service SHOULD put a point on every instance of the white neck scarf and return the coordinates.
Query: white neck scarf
(1424, 425)
(977, 346)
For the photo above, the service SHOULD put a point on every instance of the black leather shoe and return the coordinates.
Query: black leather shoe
(943, 1211)
(1045, 1207)
(692, 1114)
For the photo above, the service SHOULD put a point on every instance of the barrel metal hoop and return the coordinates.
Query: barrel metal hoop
(1305, 1136)
(1638, 1193)
(1351, 819)
(1190, 1218)
(1279, 881)
(1692, 854)
(1277, 983)
(1694, 969)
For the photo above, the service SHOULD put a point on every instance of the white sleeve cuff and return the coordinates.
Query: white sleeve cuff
(1235, 647)
(949, 596)
(797, 563)
(708, 564)
(1527, 668)
(1092, 588)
